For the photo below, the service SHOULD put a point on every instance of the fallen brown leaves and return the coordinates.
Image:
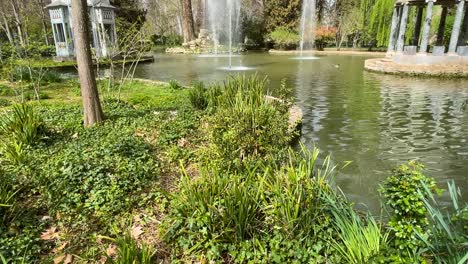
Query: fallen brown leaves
(50, 234)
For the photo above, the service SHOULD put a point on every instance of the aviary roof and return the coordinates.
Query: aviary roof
(95, 3)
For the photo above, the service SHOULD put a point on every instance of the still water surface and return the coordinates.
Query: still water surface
(376, 121)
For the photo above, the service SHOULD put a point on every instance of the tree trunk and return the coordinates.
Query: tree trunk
(44, 19)
(200, 16)
(187, 18)
(6, 27)
(18, 22)
(91, 104)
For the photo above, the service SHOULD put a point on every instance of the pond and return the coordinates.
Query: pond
(376, 121)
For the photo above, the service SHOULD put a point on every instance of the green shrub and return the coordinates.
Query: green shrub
(285, 39)
(31, 50)
(198, 96)
(244, 127)
(24, 74)
(403, 195)
(170, 40)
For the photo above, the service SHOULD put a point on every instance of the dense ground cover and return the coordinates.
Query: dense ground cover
(196, 174)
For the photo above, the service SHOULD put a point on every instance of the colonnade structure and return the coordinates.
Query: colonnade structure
(421, 42)
(420, 51)
(102, 22)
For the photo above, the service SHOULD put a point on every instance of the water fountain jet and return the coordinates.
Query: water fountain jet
(225, 28)
(307, 29)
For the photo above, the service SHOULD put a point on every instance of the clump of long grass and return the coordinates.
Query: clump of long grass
(299, 193)
(220, 211)
(448, 240)
(7, 200)
(174, 85)
(129, 252)
(198, 96)
(19, 128)
(358, 240)
(251, 90)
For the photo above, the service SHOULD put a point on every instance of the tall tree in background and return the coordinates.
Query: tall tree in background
(44, 20)
(91, 103)
(130, 12)
(5, 25)
(282, 13)
(18, 21)
(187, 20)
(378, 24)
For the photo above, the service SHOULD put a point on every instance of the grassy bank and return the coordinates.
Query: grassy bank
(201, 174)
(49, 63)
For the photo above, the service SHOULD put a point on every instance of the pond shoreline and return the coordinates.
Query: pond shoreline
(51, 64)
(328, 52)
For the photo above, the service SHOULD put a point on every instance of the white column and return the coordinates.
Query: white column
(103, 35)
(403, 24)
(456, 27)
(54, 32)
(426, 27)
(393, 31)
(95, 30)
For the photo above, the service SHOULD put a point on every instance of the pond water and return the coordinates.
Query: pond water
(376, 121)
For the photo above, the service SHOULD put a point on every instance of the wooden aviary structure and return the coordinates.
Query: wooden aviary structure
(103, 31)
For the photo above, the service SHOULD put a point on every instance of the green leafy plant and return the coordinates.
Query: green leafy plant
(4, 102)
(94, 174)
(244, 127)
(358, 240)
(284, 38)
(129, 252)
(198, 96)
(20, 128)
(403, 195)
(448, 237)
(22, 124)
(270, 213)
(175, 85)
(7, 199)
(18, 232)
(6, 91)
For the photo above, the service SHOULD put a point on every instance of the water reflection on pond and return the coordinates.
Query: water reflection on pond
(376, 121)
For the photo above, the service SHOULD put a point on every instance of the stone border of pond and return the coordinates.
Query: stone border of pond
(295, 114)
(388, 66)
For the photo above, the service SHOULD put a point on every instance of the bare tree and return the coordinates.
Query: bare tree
(91, 104)
(18, 21)
(5, 25)
(44, 19)
(187, 18)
